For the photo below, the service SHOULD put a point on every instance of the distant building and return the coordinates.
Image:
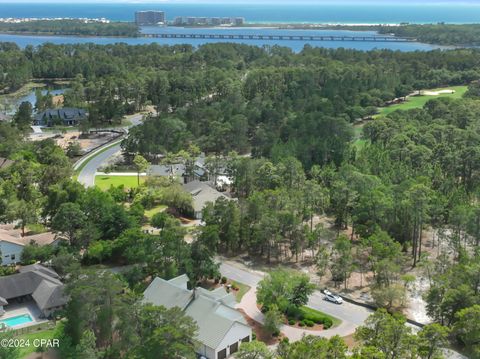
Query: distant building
(211, 21)
(60, 116)
(149, 17)
(221, 328)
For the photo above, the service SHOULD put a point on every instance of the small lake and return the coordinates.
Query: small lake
(30, 97)
(295, 45)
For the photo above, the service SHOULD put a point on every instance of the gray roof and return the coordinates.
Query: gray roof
(39, 267)
(40, 282)
(202, 193)
(49, 295)
(180, 281)
(219, 294)
(209, 309)
(161, 292)
(67, 113)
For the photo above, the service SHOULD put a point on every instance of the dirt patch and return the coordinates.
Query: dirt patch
(350, 341)
(261, 334)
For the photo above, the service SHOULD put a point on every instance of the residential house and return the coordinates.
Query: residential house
(34, 282)
(60, 116)
(221, 328)
(12, 244)
(202, 193)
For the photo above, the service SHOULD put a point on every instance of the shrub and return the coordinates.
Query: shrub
(309, 323)
(301, 324)
(234, 287)
(224, 280)
(327, 323)
(291, 322)
(294, 312)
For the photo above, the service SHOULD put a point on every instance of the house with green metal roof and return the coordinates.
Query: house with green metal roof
(221, 328)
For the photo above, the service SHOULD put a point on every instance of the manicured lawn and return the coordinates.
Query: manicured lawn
(310, 312)
(45, 334)
(104, 182)
(420, 101)
(149, 213)
(242, 289)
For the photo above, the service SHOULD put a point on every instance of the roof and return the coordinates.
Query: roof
(180, 281)
(42, 239)
(5, 236)
(67, 113)
(36, 280)
(49, 295)
(13, 236)
(161, 292)
(208, 308)
(202, 193)
(40, 268)
(5, 162)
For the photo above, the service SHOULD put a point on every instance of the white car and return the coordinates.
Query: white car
(333, 298)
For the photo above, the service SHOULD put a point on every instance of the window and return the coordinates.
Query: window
(13, 257)
(233, 348)
(222, 354)
(246, 339)
(7, 256)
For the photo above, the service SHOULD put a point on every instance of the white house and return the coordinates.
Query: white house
(221, 328)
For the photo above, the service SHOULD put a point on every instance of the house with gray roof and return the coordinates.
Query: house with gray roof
(67, 116)
(33, 282)
(203, 193)
(221, 328)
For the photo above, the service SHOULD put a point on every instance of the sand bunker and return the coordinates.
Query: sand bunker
(436, 93)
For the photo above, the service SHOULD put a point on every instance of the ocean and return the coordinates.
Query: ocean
(384, 13)
(253, 13)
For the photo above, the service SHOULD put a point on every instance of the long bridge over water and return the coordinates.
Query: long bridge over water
(281, 37)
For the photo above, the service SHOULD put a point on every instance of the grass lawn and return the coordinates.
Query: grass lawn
(308, 312)
(420, 101)
(149, 213)
(104, 182)
(45, 334)
(242, 289)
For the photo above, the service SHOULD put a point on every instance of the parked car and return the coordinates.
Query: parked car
(326, 291)
(333, 298)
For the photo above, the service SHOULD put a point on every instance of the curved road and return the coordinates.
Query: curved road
(351, 315)
(87, 173)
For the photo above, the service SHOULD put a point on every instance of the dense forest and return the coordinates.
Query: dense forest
(281, 124)
(438, 34)
(70, 27)
(441, 34)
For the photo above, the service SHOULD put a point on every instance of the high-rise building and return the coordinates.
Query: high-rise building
(149, 17)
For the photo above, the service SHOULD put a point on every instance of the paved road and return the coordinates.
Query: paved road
(87, 174)
(351, 315)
